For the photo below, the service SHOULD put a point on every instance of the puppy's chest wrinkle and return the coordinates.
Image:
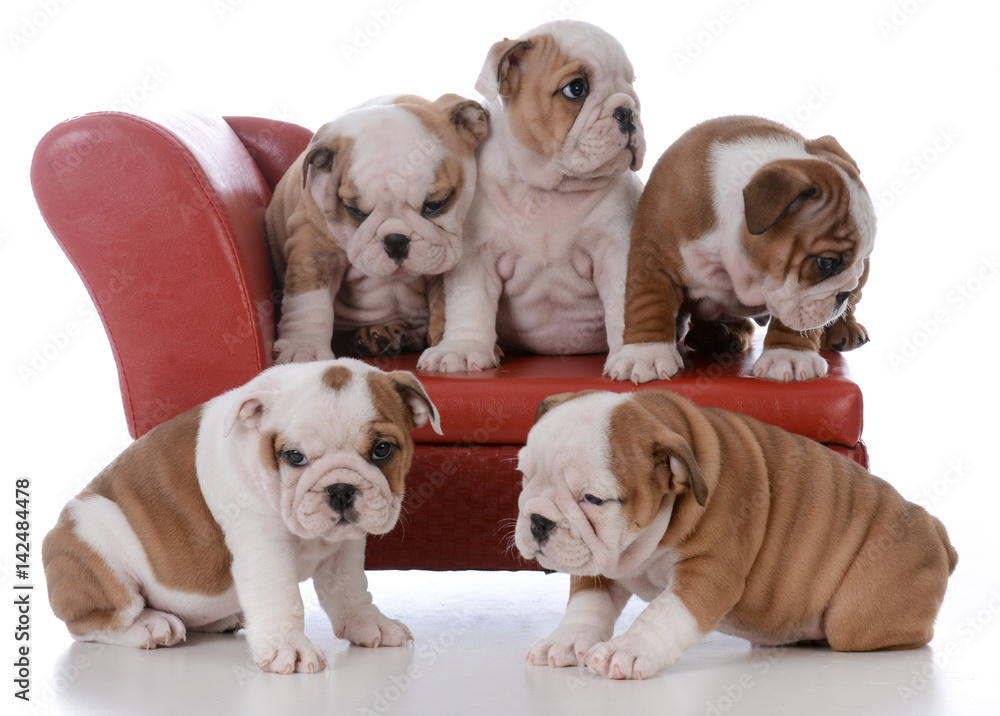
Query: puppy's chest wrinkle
(364, 300)
(717, 288)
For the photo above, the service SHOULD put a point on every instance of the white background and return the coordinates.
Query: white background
(909, 89)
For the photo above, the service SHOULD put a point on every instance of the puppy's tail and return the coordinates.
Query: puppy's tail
(952, 554)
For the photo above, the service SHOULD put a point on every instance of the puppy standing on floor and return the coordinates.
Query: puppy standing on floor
(547, 235)
(365, 221)
(720, 522)
(744, 219)
(209, 521)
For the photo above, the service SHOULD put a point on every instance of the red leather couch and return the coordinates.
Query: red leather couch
(163, 220)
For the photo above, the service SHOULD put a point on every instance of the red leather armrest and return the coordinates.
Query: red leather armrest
(164, 223)
(273, 144)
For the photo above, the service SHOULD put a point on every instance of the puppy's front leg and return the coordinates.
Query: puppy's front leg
(594, 605)
(790, 355)
(265, 574)
(313, 276)
(342, 588)
(654, 641)
(472, 295)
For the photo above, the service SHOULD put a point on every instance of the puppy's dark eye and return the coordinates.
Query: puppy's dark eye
(433, 208)
(295, 458)
(828, 265)
(577, 89)
(382, 450)
(356, 213)
(594, 500)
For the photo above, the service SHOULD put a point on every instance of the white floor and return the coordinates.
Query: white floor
(472, 630)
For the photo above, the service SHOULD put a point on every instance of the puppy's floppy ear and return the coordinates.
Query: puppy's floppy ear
(500, 73)
(778, 188)
(555, 400)
(249, 410)
(829, 145)
(415, 397)
(677, 467)
(321, 154)
(470, 119)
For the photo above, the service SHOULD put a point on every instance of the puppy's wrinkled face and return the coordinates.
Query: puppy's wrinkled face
(593, 487)
(333, 441)
(567, 89)
(811, 230)
(394, 179)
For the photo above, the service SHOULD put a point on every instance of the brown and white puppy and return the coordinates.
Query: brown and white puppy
(547, 235)
(210, 521)
(366, 219)
(720, 522)
(744, 219)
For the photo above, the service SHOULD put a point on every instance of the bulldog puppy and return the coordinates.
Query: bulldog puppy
(547, 235)
(209, 521)
(719, 522)
(366, 219)
(744, 219)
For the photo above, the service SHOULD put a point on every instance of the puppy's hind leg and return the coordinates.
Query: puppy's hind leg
(96, 604)
(891, 594)
(720, 338)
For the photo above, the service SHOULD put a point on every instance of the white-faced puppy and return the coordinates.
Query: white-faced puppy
(210, 521)
(547, 235)
(366, 219)
(744, 219)
(720, 522)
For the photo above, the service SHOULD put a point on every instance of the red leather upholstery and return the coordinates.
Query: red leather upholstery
(164, 222)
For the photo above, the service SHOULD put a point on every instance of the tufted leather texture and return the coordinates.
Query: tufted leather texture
(163, 220)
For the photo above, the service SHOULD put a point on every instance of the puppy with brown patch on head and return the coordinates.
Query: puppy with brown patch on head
(210, 521)
(547, 235)
(743, 220)
(366, 220)
(720, 522)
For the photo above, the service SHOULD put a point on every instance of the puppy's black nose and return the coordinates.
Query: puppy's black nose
(341, 497)
(396, 246)
(841, 297)
(541, 528)
(626, 123)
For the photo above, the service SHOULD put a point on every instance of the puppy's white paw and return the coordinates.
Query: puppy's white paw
(566, 646)
(786, 365)
(629, 656)
(286, 654)
(152, 629)
(643, 362)
(290, 351)
(456, 356)
(369, 627)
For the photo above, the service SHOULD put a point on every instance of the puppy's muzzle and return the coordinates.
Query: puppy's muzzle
(340, 497)
(397, 247)
(541, 528)
(625, 119)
